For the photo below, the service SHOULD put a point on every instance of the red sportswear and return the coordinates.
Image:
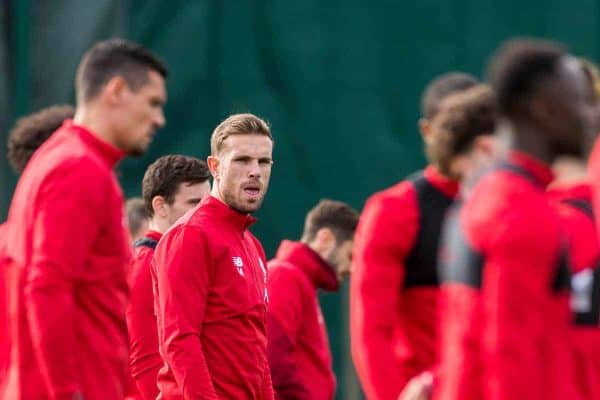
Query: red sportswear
(209, 277)
(144, 357)
(504, 299)
(299, 354)
(67, 289)
(394, 285)
(574, 205)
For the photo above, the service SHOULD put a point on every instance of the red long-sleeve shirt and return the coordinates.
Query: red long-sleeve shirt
(68, 290)
(144, 357)
(574, 205)
(394, 286)
(298, 346)
(504, 299)
(209, 276)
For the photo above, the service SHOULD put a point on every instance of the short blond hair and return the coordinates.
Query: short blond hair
(238, 124)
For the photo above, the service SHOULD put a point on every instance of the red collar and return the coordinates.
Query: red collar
(444, 184)
(320, 272)
(218, 209)
(111, 154)
(580, 190)
(154, 235)
(537, 168)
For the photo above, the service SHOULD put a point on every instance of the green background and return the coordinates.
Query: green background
(339, 81)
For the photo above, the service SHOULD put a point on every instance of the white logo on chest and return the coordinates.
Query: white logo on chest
(238, 263)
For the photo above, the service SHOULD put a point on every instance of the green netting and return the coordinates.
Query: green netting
(339, 81)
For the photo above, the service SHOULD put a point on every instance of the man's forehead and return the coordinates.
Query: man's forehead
(247, 143)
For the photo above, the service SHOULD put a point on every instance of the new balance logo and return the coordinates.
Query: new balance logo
(238, 263)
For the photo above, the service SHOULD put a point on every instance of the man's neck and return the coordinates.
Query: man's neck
(158, 225)
(89, 118)
(526, 139)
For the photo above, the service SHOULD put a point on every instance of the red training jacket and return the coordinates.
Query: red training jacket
(298, 346)
(574, 206)
(144, 357)
(504, 299)
(394, 285)
(67, 288)
(209, 277)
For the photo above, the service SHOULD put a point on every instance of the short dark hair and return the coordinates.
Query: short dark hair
(339, 217)
(517, 68)
(136, 214)
(115, 57)
(441, 87)
(163, 176)
(463, 117)
(31, 131)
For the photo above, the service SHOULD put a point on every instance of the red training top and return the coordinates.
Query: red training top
(67, 286)
(299, 354)
(574, 205)
(210, 276)
(504, 299)
(394, 285)
(144, 357)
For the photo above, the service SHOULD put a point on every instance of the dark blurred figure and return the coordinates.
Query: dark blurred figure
(137, 218)
(505, 293)
(393, 292)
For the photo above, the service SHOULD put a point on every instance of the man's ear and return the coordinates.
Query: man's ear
(424, 127)
(324, 240)
(158, 206)
(213, 163)
(113, 91)
(486, 144)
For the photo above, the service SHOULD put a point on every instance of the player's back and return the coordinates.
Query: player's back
(504, 301)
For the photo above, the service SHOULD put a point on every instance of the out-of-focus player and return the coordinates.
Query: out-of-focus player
(504, 304)
(68, 253)
(137, 218)
(23, 140)
(299, 354)
(394, 289)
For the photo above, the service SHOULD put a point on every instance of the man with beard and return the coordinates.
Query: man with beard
(299, 354)
(68, 253)
(210, 277)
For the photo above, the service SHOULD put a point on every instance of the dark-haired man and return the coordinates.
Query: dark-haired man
(299, 354)
(137, 218)
(393, 292)
(505, 312)
(172, 185)
(68, 253)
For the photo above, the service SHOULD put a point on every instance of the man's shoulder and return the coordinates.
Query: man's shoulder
(284, 273)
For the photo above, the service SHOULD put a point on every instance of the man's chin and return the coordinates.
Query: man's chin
(137, 151)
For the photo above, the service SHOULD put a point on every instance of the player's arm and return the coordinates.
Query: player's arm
(66, 223)
(286, 299)
(384, 237)
(182, 271)
(461, 274)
